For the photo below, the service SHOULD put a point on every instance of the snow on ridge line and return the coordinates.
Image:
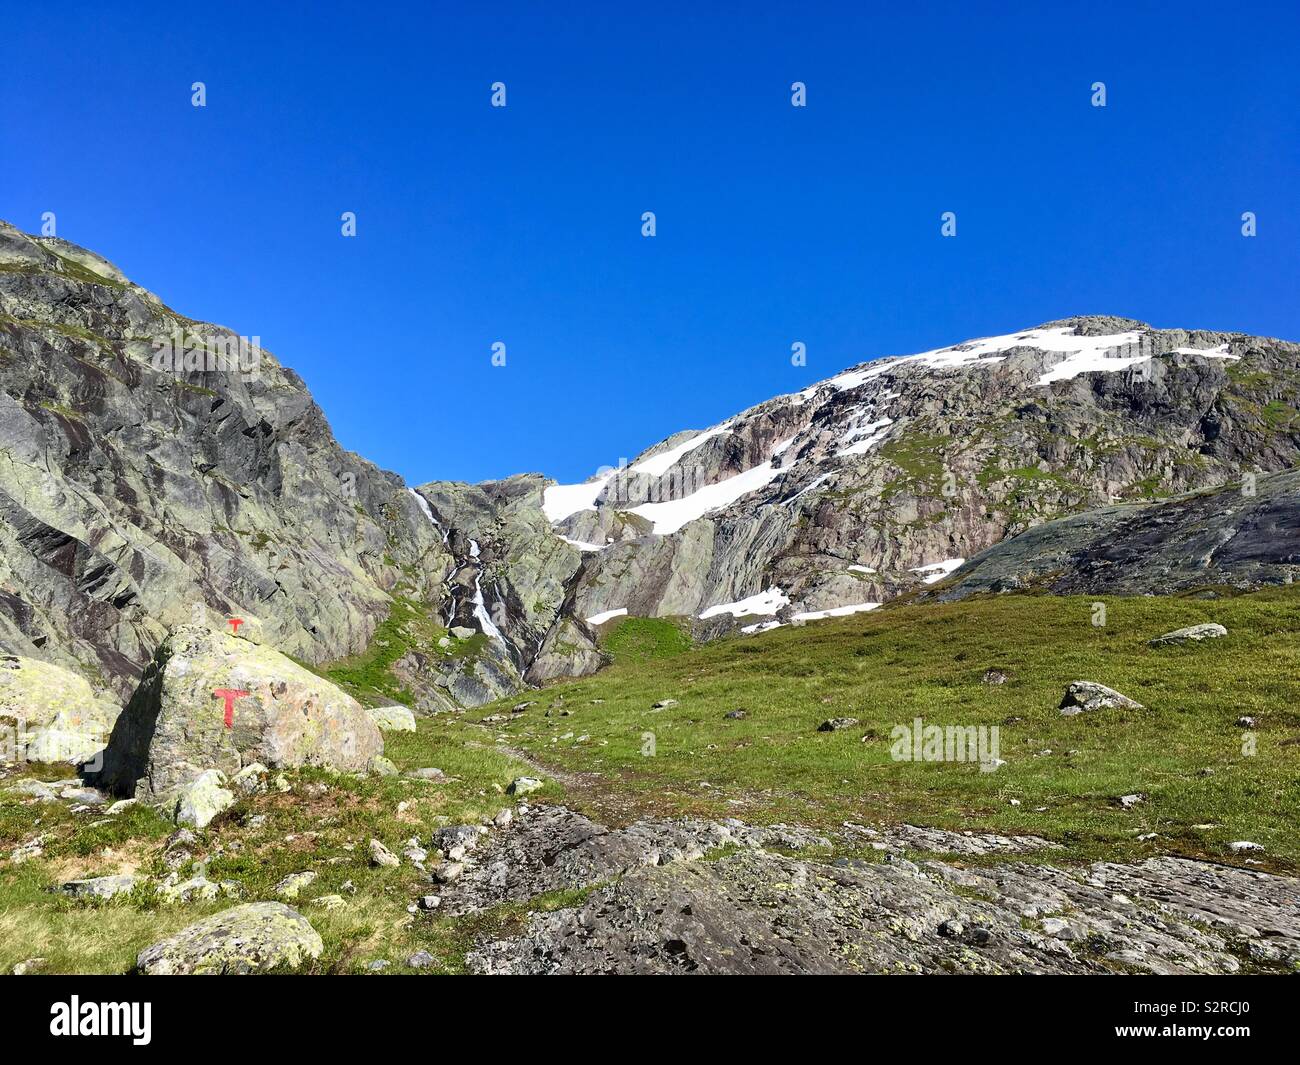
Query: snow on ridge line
(560, 501)
(660, 464)
(608, 615)
(1061, 340)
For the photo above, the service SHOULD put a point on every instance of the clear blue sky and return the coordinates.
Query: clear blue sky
(775, 224)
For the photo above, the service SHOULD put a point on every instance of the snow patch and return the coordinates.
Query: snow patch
(559, 501)
(582, 545)
(835, 612)
(670, 516)
(660, 464)
(768, 602)
(608, 615)
(1221, 352)
(937, 571)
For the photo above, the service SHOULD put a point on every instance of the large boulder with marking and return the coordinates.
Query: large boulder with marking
(176, 726)
(50, 714)
(253, 938)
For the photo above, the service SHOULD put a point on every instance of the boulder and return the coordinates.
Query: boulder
(175, 726)
(1191, 634)
(199, 801)
(99, 887)
(834, 724)
(1083, 695)
(392, 718)
(50, 714)
(524, 785)
(244, 939)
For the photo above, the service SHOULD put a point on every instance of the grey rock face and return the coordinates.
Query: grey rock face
(660, 909)
(135, 495)
(554, 848)
(1214, 537)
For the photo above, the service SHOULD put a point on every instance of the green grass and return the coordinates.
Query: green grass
(646, 639)
(256, 843)
(368, 677)
(928, 661)
(884, 668)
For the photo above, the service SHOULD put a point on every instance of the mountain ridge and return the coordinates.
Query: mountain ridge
(133, 493)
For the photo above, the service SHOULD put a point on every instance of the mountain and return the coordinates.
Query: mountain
(882, 479)
(154, 468)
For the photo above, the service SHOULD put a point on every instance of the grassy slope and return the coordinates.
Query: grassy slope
(887, 667)
(328, 833)
(884, 668)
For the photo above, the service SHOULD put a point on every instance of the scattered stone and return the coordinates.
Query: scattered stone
(503, 818)
(36, 789)
(382, 856)
(735, 715)
(291, 885)
(415, 855)
(253, 937)
(1129, 801)
(1245, 721)
(1082, 695)
(519, 708)
(834, 724)
(26, 968)
(524, 785)
(121, 806)
(428, 903)
(379, 964)
(200, 801)
(664, 704)
(100, 887)
(251, 780)
(25, 852)
(1243, 846)
(421, 959)
(995, 676)
(392, 718)
(448, 872)
(429, 773)
(196, 889)
(330, 902)
(462, 632)
(1191, 634)
(383, 766)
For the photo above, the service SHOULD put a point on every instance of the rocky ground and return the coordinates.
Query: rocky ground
(722, 897)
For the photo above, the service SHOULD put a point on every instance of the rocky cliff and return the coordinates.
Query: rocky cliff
(157, 470)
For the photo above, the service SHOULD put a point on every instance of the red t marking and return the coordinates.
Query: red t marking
(229, 695)
(234, 624)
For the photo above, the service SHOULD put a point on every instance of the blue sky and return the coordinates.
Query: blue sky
(775, 224)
